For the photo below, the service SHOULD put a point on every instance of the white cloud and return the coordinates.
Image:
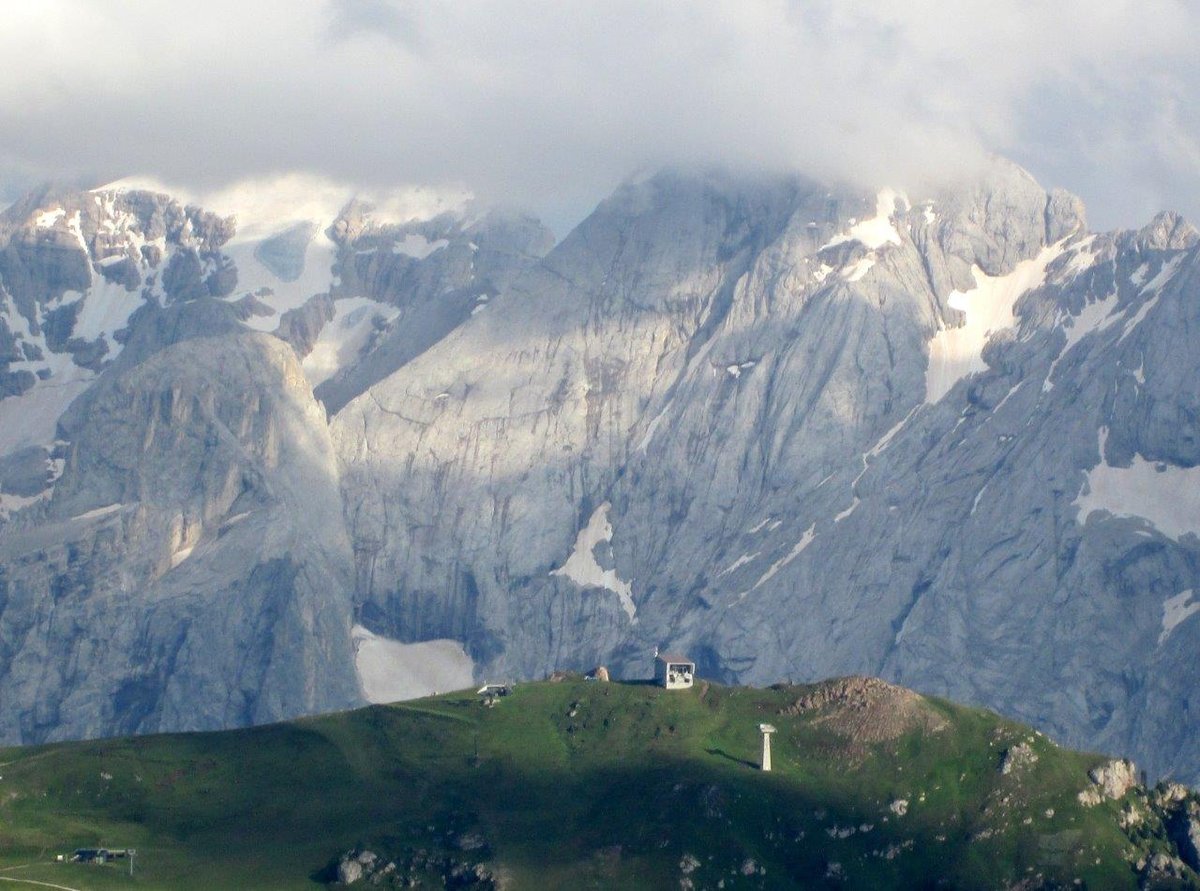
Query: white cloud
(550, 103)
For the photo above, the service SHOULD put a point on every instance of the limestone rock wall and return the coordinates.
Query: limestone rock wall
(797, 431)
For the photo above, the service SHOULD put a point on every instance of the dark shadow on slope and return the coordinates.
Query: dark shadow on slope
(721, 753)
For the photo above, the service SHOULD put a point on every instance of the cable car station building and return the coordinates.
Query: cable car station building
(673, 671)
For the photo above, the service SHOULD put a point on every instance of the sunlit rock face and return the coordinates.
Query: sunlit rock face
(795, 431)
(183, 573)
(702, 357)
(172, 546)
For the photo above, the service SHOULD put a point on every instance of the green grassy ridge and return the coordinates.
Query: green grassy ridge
(572, 784)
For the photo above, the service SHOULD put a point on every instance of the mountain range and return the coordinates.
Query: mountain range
(286, 457)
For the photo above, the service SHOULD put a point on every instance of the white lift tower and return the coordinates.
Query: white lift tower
(767, 730)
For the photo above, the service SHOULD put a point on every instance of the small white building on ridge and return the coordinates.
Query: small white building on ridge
(673, 671)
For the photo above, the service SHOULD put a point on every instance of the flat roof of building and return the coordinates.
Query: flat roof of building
(673, 657)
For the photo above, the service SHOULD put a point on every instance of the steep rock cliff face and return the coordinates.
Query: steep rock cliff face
(433, 274)
(172, 547)
(799, 432)
(189, 569)
(694, 347)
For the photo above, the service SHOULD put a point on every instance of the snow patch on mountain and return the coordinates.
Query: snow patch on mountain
(254, 277)
(1082, 258)
(97, 313)
(583, 569)
(181, 555)
(1162, 494)
(874, 452)
(886, 440)
(10, 504)
(106, 308)
(1154, 288)
(31, 419)
(390, 671)
(418, 246)
(99, 512)
(1176, 610)
(739, 563)
(342, 340)
(651, 429)
(858, 268)
(955, 353)
(47, 219)
(1138, 318)
(1093, 318)
(1164, 275)
(805, 540)
(875, 232)
(737, 369)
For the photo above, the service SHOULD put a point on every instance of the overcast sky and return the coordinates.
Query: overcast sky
(550, 104)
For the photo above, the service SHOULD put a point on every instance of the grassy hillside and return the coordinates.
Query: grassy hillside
(577, 784)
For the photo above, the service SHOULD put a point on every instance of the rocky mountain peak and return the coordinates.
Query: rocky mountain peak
(1168, 231)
